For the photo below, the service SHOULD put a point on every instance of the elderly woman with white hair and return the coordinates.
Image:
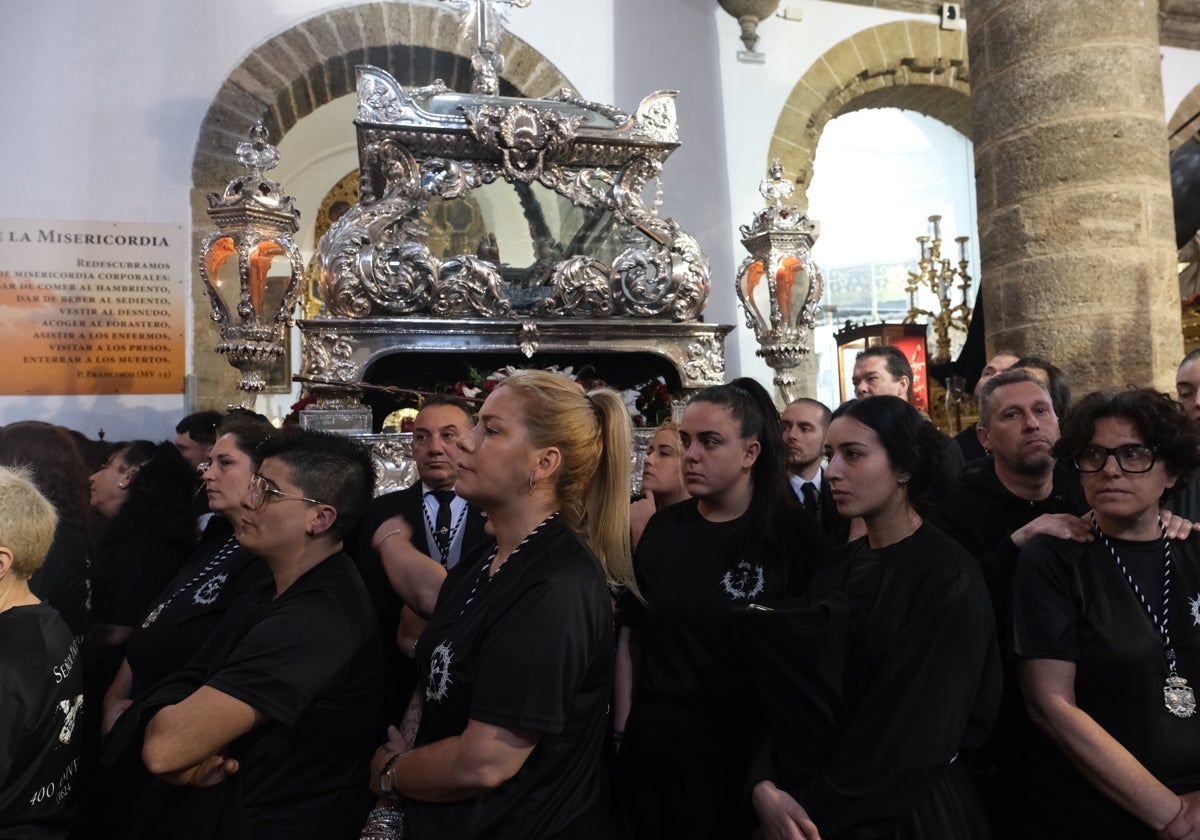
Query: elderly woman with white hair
(41, 683)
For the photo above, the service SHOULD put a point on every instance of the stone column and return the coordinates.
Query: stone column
(1075, 219)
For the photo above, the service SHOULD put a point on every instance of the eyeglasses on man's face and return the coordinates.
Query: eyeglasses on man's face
(1131, 458)
(260, 489)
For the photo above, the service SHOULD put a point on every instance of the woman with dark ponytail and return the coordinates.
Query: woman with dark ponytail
(873, 682)
(739, 540)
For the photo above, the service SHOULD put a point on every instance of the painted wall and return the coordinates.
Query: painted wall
(102, 105)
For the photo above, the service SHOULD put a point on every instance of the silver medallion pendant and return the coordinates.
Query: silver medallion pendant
(1179, 697)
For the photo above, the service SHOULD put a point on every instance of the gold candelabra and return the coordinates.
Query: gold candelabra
(938, 274)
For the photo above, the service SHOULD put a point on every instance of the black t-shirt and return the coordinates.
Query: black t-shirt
(691, 678)
(1072, 603)
(189, 609)
(309, 661)
(41, 691)
(528, 648)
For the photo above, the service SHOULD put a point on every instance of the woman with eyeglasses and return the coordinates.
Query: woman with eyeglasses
(1108, 634)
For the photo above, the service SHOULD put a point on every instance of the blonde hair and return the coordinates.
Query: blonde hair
(593, 433)
(666, 426)
(27, 521)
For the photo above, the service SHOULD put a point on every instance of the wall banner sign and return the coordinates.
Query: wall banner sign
(91, 308)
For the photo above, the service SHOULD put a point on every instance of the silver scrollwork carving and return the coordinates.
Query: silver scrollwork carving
(706, 361)
(580, 287)
(525, 137)
(644, 279)
(691, 273)
(400, 277)
(330, 356)
(470, 286)
(529, 338)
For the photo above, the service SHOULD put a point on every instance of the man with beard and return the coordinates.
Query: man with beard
(968, 438)
(1002, 502)
(1006, 499)
(804, 423)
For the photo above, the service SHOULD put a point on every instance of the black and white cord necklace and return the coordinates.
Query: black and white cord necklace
(231, 545)
(483, 578)
(1178, 696)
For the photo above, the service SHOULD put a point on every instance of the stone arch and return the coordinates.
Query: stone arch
(905, 64)
(1187, 109)
(299, 70)
(309, 65)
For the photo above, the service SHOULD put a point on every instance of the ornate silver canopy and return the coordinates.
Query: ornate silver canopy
(491, 225)
(500, 207)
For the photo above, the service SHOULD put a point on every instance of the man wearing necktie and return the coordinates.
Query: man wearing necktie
(804, 423)
(427, 524)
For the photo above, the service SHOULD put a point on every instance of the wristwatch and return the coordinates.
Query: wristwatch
(385, 776)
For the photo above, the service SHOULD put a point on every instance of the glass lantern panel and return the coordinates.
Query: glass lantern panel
(270, 276)
(223, 272)
(757, 295)
(791, 284)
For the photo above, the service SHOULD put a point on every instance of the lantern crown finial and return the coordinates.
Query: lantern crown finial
(258, 154)
(253, 197)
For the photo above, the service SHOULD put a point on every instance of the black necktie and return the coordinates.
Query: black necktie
(812, 501)
(441, 530)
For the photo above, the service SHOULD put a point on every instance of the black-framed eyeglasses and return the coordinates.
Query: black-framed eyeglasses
(260, 489)
(1132, 458)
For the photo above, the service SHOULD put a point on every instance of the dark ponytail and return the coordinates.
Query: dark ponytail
(764, 532)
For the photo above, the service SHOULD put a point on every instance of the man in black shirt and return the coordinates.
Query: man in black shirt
(288, 701)
(1001, 503)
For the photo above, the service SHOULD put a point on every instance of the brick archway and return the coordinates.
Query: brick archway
(906, 64)
(309, 65)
